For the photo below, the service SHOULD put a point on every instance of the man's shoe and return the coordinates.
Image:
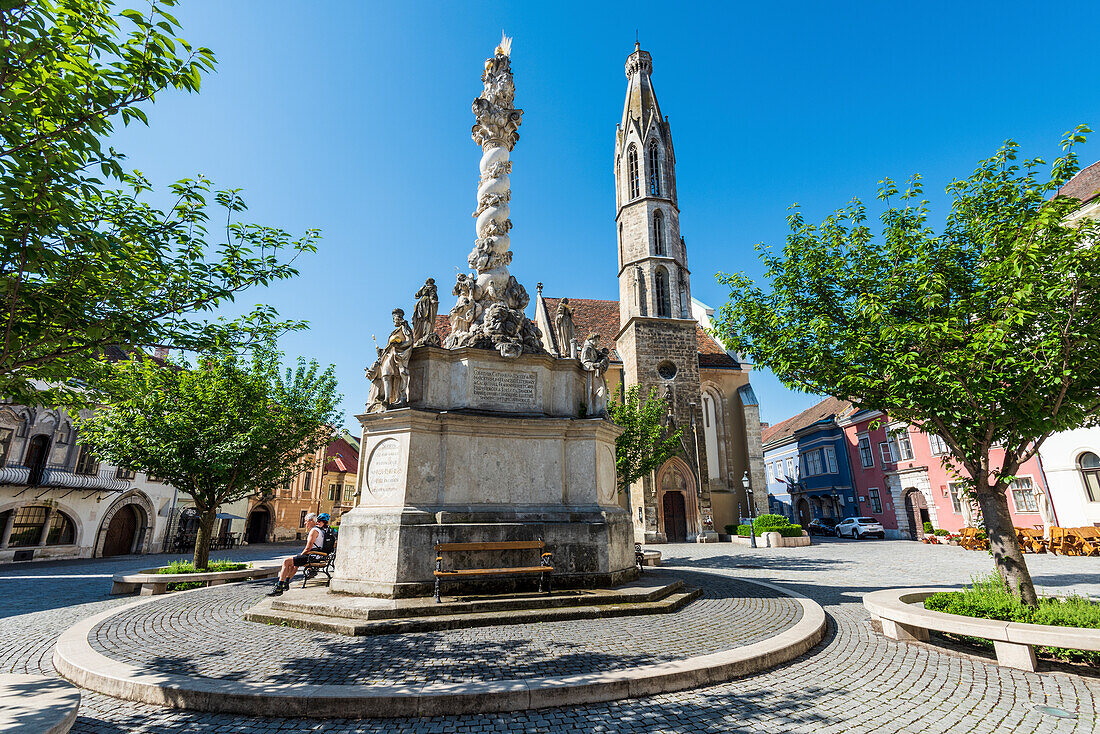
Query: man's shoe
(278, 590)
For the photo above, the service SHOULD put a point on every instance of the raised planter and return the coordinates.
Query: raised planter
(152, 583)
(904, 617)
(775, 540)
(35, 704)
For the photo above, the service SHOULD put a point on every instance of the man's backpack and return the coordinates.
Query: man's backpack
(328, 542)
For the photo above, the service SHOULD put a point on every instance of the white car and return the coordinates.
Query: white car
(860, 527)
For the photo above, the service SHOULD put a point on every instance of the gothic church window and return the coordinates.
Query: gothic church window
(639, 289)
(632, 170)
(658, 233)
(622, 258)
(664, 304)
(654, 171)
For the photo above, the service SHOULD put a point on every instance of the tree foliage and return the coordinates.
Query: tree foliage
(233, 425)
(646, 441)
(985, 333)
(84, 262)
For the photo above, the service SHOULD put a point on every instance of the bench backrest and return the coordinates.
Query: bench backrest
(502, 545)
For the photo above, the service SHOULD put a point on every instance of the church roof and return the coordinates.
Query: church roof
(602, 317)
(827, 408)
(1085, 185)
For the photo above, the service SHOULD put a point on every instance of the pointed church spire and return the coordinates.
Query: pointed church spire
(641, 101)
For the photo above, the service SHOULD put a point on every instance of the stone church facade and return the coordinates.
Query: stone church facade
(656, 332)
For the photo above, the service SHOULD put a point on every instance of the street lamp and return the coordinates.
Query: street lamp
(747, 484)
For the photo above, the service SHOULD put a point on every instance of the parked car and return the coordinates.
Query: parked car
(822, 526)
(860, 527)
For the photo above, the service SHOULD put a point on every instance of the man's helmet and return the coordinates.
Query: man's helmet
(323, 517)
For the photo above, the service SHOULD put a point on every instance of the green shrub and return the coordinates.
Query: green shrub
(770, 521)
(213, 566)
(731, 530)
(989, 598)
(787, 531)
(940, 531)
(927, 527)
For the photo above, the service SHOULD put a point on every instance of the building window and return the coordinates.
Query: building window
(884, 451)
(1023, 495)
(779, 470)
(154, 478)
(349, 492)
(790, 469)
(658, 233)
(5, 445)
(900, 447)
(812, 462)
(876, 500)
(62, 530)
(664, 304)
(302, 519)
(622, 258)
(307, 482)
(332, 496)
(654, 171)
(125, 474)
(86, 463)
(640, 280)
(26, 526)
(866, 455)
(955, 489)
(771, 472)
(937, 444)
(830, 459)
(64, 432)
(632, 170)
(1089, 465)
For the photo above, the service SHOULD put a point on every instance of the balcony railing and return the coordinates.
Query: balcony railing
(57, 475)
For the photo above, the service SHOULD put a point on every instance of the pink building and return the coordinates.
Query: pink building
(901, 481)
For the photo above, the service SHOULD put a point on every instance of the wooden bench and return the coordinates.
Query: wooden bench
(325, 563)
(543, 570)
(1031, 540)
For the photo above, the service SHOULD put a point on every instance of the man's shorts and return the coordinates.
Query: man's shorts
(304, 559)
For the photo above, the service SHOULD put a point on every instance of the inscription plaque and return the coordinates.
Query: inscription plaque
(505, 389)
(384, 468)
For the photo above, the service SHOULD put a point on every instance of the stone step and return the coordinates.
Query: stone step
(316, 601)
(263, 612)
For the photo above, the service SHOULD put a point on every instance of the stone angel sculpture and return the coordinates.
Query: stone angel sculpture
(595, 362)
(564, 328)
(389, 375)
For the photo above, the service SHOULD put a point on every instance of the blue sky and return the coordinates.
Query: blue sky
(354, 117)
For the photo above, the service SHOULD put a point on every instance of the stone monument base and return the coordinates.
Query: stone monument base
(489, 450)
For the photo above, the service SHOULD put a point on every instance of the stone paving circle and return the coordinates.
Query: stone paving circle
(193, 650)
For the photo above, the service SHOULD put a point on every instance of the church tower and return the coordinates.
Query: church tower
(657, 339)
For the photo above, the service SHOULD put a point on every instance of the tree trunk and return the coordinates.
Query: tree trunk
(203, 538)
(1007, 555)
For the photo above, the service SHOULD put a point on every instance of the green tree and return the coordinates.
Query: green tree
(84, 262)
(985, 333)
(646, 441)
(233, 425)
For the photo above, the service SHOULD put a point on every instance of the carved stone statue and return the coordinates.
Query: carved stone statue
(563, 325)
(1043, 503)
(496, 130)
(389, 375)
(423, 321)
(595, 362)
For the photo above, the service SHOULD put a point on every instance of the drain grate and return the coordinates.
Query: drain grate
(1055, 711)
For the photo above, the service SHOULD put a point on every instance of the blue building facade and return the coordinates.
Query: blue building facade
(807, 467)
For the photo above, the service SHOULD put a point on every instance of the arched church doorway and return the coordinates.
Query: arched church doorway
(804, 514)
(916, 509)
(675, 516)
(259, 524)
(121, 532)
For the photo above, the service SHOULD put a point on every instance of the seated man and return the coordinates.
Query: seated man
(315, 543)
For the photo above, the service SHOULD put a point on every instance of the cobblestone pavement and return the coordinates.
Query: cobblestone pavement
(855, 681)
(188, 635)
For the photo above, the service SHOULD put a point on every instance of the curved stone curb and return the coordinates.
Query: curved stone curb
(153, 583)
(35, 704)
(904, 618)
(76, 660)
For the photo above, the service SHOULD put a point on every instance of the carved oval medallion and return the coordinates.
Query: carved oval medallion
(384, 476)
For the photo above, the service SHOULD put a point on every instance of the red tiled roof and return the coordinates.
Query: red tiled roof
(1085, 185)
(827, 408)
(341, 456)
